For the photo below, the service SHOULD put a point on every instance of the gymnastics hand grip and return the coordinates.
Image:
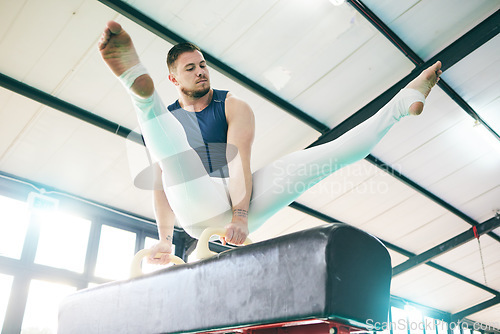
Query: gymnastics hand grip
(202, 251)
(135, 266)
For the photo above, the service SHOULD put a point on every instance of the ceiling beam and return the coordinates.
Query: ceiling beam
(328, 219)
(68, 108)
(313, 213)
(448, 245)
(173, 38)
(476, 308)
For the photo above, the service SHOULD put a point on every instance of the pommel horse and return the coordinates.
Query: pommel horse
(327, 280)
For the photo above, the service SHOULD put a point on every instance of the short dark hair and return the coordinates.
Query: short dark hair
(176, 51)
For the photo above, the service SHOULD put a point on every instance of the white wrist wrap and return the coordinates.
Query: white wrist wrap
(128, 77)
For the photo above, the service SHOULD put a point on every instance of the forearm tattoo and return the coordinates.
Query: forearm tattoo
(240, 213)
(168, 238)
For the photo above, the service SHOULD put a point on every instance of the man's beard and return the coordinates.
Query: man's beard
(197, 93)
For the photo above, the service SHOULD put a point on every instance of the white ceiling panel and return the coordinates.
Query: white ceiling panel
(277, 223)
(355, 82)
(368, 200)
(16, 115)
(23, 45)
(449, 157)
(474, 181)
(484, 206)
(489, 317)
(432, 233)
(405, 218)
(70, 167)
(306, 223)
(457, 143)
(113, 177)
(52, 67)
(10, 11)
(420, 280)
(476, 78)
(76, 157)
(433, 288)
(411, 133)
(118, 191)
(492, 273)
(162, 10)
(282, 28)
(296, 71)
(473, 75)
(196, 20)
(388, 10)
(38, 142)
(303, 54)
(447, 298)
(428, 26)
(341, 182)
(264, 153)
(466, 259)
(396, 258)
(43, 57)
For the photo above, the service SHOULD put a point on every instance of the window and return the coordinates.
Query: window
(116, 251)
(430, 325)
(14, 219)
(5, 287)
(442, 327)
(63, 241)
(42, 306)
(399, 321)
(415, 318)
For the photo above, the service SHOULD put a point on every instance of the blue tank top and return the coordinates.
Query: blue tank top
(206, 131)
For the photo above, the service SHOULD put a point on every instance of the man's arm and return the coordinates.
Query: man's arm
(165, 220)
(240, 133)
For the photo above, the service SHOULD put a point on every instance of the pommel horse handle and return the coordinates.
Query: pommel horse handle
(201, 252)
(135, 266)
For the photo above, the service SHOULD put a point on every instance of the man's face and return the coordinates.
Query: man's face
(191, 74)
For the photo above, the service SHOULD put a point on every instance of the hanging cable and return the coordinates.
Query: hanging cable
(476, 235)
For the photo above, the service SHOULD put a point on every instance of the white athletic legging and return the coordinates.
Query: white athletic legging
(200, 201)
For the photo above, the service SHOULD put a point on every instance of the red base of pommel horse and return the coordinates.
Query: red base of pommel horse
(315, 326)
(332, 279)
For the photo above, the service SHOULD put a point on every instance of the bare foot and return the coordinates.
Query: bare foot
(424, 83)
(117, 49)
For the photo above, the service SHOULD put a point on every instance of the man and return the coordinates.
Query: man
(239, 201)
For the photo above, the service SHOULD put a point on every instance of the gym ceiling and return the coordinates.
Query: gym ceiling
(311, 70)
